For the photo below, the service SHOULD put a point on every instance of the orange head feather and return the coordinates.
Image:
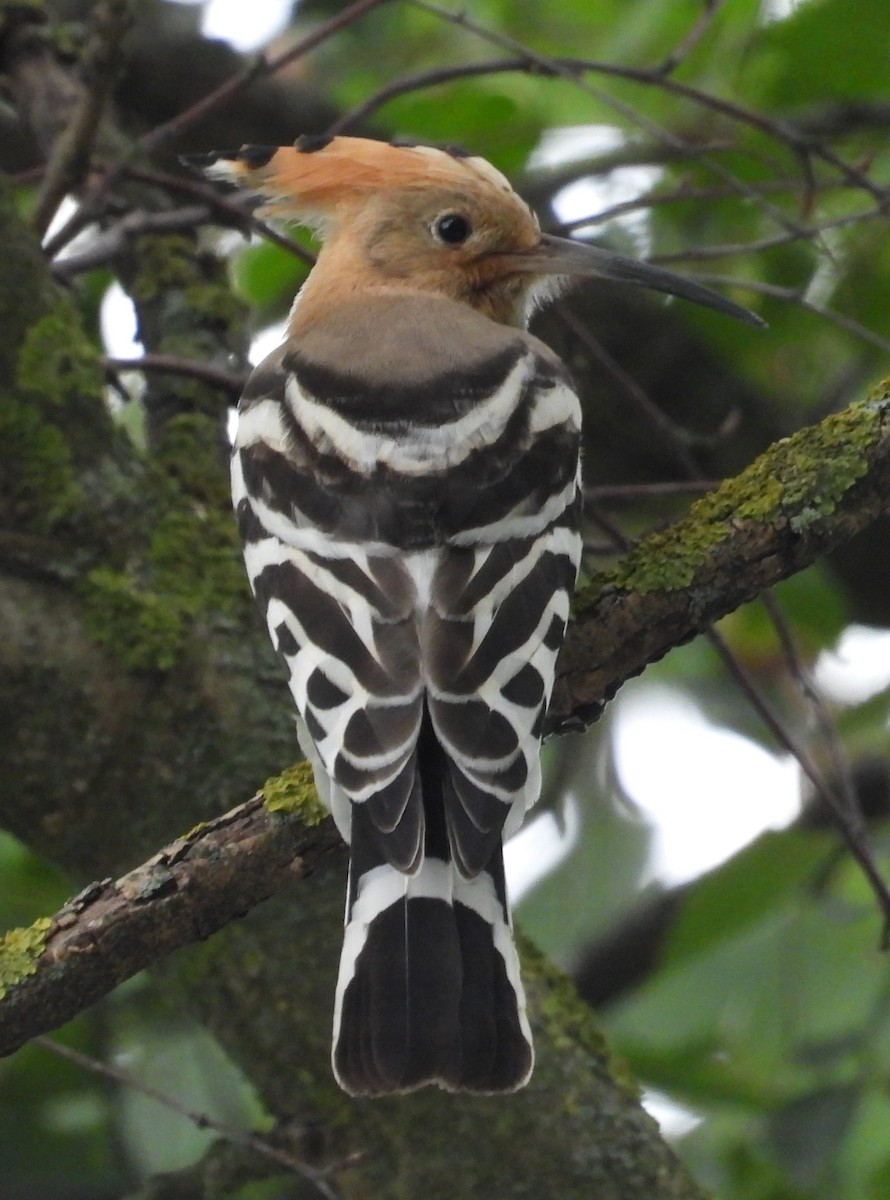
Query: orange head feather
(318, 178)
(394, 219)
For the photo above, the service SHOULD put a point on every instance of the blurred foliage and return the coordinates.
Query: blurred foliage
(766, 1008)
(69, 1133)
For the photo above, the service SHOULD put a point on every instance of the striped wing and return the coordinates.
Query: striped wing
(490, 643)
(400, 564)
(342, 617)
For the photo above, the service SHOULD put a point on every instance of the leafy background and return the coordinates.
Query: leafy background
(755, 995)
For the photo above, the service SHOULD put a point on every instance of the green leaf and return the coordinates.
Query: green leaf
(743, 890)
(475, 116)
(827, 50)
(31, 887)
(807, 1134)
(811, 601)
(267, 276)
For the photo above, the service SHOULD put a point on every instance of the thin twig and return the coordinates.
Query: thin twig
(28, 175)
(648, 200)
(691, 39)
(813, 697)
(232, 211)
(683, 194)
(107, 244)
(606, 525)
(677, 441)
(70, 155)
(793, 296)
(230, 1133)
(733, 250)
(419, 82)
(171, 364)
(262, 66)
(562, 66)
(847, 816)
(642, 491)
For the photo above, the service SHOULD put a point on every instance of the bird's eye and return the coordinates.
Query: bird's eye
(452, 229)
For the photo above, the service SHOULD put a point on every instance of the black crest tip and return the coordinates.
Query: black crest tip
(200, 162)
(254, 156)
(308, 143)
(452, 149)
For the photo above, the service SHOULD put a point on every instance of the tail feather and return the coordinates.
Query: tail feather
(496, 1039)
(496, 1044)
(429, 989)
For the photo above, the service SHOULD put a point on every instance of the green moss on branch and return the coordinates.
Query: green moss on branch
(19, 951)
(795, 487)
(293, 791)
(186, 308)
(184, 566)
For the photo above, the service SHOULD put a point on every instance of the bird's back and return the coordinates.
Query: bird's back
(406, 485)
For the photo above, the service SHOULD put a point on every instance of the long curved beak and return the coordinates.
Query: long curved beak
(559, 256)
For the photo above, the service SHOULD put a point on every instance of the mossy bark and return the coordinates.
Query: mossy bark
(134, 670)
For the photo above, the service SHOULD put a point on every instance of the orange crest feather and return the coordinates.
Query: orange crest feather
(315, 177)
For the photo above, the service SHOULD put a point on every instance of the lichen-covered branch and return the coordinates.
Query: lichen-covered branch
(52, 971)
(804, 496)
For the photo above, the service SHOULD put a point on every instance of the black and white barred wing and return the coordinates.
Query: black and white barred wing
(405, 565)
(342, 615)
(490, 644)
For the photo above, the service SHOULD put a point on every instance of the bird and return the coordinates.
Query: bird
(406, 479)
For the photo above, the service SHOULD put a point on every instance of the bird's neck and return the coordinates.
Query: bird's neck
(345, 279)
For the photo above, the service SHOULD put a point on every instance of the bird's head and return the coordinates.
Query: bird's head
(416, 219)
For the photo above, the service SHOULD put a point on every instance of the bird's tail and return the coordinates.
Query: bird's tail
(429, 989)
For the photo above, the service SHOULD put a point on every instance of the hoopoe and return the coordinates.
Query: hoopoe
(406, 480)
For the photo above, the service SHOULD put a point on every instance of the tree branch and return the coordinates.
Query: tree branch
(183, 894)
(805, 495)
(70, 156)
(234, 86)
(171, 364)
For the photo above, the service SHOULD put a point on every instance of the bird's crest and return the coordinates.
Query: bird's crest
(318, 176)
